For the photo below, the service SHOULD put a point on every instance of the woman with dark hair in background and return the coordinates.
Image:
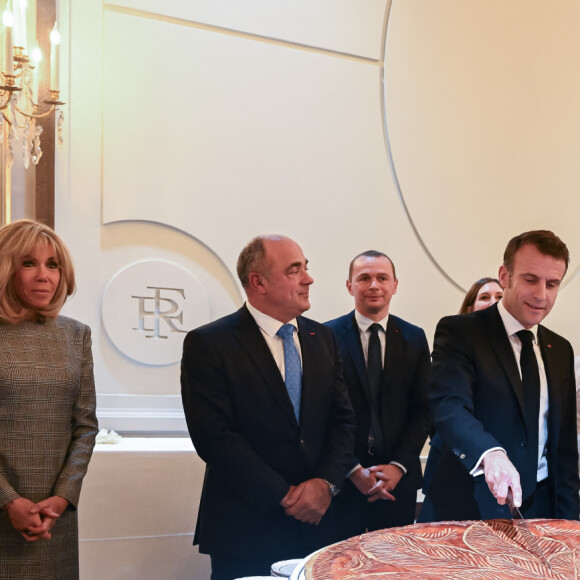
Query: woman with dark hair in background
(482, 295)
(47, 406)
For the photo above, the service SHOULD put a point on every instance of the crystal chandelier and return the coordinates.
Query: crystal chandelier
(19, 78)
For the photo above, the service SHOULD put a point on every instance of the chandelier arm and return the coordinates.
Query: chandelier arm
(8, 89)
(37, 115)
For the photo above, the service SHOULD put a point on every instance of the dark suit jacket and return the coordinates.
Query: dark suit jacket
(242, 424)
(476, 396)
(404, 409)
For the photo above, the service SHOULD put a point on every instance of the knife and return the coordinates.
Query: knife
(529, 538)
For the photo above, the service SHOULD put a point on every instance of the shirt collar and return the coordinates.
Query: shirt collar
(511, 324)
(364, 322)
(266, 323)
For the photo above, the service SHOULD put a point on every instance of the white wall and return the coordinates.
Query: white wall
(194, 125)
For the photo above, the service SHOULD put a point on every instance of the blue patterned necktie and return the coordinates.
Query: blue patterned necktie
(292, 367)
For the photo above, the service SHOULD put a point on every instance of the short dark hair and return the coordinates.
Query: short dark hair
(251, 259)
(370, 254)
(545, 241)
(472, 293)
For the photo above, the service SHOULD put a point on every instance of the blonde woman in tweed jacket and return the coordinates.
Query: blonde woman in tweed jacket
(47, 406)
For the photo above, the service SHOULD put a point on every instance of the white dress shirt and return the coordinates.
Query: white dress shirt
(364, 324)
(269, 327)
(512, 326)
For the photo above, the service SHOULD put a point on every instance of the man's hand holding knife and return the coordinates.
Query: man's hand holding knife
(501, 476)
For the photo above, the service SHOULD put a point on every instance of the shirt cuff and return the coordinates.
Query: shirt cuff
(478, 469)
(401, 467)
(353, 470)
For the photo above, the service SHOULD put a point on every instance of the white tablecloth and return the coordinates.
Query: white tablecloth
(138, 509)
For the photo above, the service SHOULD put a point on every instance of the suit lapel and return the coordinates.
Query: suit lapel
(355, 351)
(547, 355)
(550, 360)
(252, 342)
(310, 347)
(393, 355)
(500, 342)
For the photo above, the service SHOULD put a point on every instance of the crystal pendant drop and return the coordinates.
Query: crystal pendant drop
(14, 129)
(9, 151)
(59, 125)
(25, 144)
(36, 150)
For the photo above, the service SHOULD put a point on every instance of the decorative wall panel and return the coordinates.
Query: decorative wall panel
(195, 125)
(344, 26)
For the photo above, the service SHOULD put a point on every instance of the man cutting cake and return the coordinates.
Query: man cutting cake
(502, 394)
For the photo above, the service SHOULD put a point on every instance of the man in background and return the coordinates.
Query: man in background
(268, 412)
(386, 367)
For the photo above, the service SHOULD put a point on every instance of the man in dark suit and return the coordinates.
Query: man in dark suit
(390, 402)
(270, 417)
(503, 399)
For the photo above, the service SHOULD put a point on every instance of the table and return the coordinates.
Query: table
(138, 510)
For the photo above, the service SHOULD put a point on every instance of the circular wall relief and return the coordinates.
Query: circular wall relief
(149, 306)
(481, 121)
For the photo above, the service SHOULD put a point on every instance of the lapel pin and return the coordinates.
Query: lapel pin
(549, 346)
(312, 333)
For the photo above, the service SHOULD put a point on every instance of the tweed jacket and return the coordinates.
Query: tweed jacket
(47, 433)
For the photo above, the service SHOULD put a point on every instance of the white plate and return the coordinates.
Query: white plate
(284, 568)
(299, 573)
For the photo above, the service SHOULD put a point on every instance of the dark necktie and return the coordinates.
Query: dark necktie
(292, 367)
(531, 384)
(375, 374)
